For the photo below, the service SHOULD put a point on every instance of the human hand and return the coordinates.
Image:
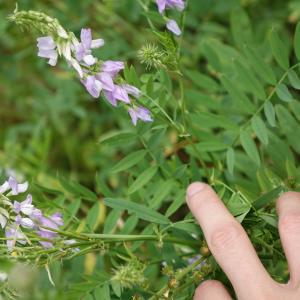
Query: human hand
(235, 254)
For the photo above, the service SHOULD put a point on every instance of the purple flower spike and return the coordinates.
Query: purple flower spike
(173, 27)
(141, 113)
(112, 67)
(47, 49)
(93, 86)
(164, 4)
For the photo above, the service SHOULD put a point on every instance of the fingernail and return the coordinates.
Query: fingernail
(195, 188)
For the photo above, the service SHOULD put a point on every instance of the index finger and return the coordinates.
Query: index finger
(227, 241)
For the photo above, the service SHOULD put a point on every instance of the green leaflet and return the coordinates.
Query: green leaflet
(279, 50)
(102, 292)
(249, 81)
(214, 121)
(211, 146)
(240, 26)
(266, 198)
(176, 203)
(289, 126)
(203, 81)
(77, 189)
(92, 217)
(271, 220)
(142, 179)
(283, 93)
(236, 94)
(72, 210)
(111, 221)
(142, 212)
(117, 139)
(238, 206)
(261, 68)
(129, 161)
(270, 113)
(294, 79)
(250, 147)
(163, 190)
(230, 159)
(260, 129)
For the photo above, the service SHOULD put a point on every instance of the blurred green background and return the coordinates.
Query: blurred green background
(49, 125)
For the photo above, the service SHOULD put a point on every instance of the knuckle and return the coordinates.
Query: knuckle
(205, 288)
(226, 236)
(290, 222)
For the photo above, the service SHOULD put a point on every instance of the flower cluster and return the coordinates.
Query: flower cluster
(97, 76)
(176, 4)
(17, 216)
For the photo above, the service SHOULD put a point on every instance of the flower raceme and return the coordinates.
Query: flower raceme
(103, 79)
(98, 77)
(17, 216)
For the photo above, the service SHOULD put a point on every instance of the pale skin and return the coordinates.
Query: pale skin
(235, 254)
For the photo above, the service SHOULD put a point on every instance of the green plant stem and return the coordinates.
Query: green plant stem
(146, 9)
(183, 105)
(163, 111)
(114, 238)
(178, 277)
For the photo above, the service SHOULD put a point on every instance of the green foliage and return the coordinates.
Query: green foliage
(225, 101)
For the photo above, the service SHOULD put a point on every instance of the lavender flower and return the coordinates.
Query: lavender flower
(4, 216)
(93, 86)
(97, 76)
(164, 4)
(47, 49)
(132, 90)
(14, 234)
(53, 222)
(193, 259)
(24, 214)
(173, 27)
(106, 81)
(120, 93)
(25, 207)
(83, 49)
(15, 187)
(112, 67)
(24, 222)
(141, 113)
